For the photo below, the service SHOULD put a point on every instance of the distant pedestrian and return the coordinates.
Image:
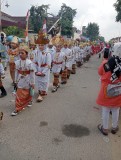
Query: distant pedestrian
(2, 76)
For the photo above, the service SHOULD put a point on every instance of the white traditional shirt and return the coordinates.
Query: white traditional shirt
(73, 55)
(43, 64)
(24, 74)
(76, 50)
(32, 55)
(51, 51)
(68, 55)
(58, 59)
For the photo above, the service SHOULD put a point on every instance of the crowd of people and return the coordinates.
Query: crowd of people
(34, 62)
(30, 66)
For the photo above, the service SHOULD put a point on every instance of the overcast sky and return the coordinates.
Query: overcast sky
(101, 12)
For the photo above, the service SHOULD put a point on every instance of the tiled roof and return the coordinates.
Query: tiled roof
(8, 20)
(20, 21)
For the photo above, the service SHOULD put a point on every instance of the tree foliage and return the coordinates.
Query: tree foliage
(101, 38)
(117, 6)
(13, 30)
(37, 16)
(67, 15)
(92, 31)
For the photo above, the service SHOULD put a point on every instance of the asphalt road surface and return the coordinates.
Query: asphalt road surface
(62, 127)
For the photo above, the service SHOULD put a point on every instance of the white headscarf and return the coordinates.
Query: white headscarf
(117, 49)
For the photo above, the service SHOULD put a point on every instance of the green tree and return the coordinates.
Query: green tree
(92, 31)
(117, 6)
(67, 15)
(13, 30)
(37, 16)
(84, 31)
(101, 38)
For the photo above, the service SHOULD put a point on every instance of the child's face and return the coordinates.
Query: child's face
(13, 45)
(41, 47)
(58, 48)
(23, 54)
(32, 46)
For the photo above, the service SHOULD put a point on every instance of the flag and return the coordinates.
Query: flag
(28, 15)
(27, 20)
(44, 28)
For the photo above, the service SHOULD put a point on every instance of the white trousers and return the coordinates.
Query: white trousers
(105, 116)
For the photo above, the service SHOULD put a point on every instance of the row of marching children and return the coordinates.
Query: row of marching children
(30, 66)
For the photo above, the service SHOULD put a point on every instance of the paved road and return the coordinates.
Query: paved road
(62, 127)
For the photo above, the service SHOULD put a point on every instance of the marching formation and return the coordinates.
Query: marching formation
(31, 64)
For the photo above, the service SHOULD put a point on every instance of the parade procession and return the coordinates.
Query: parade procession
(32, 64)
(60, 80)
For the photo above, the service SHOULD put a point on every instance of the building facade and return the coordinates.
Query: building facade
(8, 20)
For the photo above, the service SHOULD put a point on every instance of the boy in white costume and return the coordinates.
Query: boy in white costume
(42, 66)
(51, 49)
(57, 61)
(67, 66)
(73, 57)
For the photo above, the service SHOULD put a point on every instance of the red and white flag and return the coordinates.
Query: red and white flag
(27, 25)
(44, 29)
(27, 15)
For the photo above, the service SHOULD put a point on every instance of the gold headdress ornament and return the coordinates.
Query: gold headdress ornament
(42, 39)
(81, 45)
(76, 42)
(70, 42)
(24, 47)
(58, 40)
(32, 40)
(66, 42)
(15, 40)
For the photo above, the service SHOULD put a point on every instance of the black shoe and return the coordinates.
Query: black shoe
(58, 86)
(3, 95)
(110, 112)
(63, 82)
(1, 115)
(100, 127)
(54, 89)
(114, 130)
(68, 76)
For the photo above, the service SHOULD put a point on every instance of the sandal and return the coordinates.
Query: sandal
(39, 99)
(100, 127)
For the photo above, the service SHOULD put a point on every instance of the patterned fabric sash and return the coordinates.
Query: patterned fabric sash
(42, 65)
(24, 72)
(57, 62)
